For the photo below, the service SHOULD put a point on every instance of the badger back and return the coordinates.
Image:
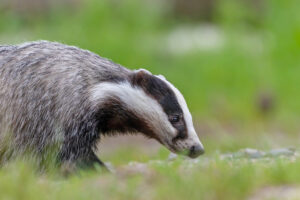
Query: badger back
(44, 93)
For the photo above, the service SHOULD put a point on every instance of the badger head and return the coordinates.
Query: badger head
(151, 105)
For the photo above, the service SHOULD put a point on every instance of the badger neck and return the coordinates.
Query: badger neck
(123, 108)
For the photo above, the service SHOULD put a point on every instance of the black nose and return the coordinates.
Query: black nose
(196, 151)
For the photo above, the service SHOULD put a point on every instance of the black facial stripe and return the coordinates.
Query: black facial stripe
(114, 117)
(164, 95)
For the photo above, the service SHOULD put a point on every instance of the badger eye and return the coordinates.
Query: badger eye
(174, 118)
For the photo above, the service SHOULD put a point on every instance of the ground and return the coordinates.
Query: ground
(244, 174)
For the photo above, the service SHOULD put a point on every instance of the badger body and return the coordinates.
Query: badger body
(62, 99)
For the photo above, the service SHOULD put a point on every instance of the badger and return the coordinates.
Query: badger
(60, 100)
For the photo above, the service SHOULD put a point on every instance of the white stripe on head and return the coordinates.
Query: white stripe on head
(137, 101)
(192, 138)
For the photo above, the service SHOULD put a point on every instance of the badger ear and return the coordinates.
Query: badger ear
(140, 77)
(151, 84)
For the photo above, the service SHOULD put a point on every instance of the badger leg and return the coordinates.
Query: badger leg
(92, 160)
(77, 153)
(86, 159)
(79, 144)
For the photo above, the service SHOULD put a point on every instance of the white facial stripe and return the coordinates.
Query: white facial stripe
(192, 135)
(140, 103)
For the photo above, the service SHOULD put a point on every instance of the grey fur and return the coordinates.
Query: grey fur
(44, 98)
(57, 100)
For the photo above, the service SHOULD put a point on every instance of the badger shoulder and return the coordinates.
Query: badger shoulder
(52, 58)
(44, 93)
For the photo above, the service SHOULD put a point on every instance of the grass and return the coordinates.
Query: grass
(224, 86)
(211, 178)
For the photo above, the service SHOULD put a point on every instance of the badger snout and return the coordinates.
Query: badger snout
(195, 151)
(190, 148)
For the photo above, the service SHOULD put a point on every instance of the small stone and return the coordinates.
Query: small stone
(110, 167)
(253, 153)
(172, 156)
(282, 152)
(226, 156)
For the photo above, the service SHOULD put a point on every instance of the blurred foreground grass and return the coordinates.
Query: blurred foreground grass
(240, 75)
(212, 178)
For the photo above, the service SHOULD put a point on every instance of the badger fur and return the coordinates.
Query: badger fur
(62, 99)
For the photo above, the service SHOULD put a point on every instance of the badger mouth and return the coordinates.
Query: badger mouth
(172, 147)
(192, 152)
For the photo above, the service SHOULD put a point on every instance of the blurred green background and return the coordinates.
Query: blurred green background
(237, 62)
